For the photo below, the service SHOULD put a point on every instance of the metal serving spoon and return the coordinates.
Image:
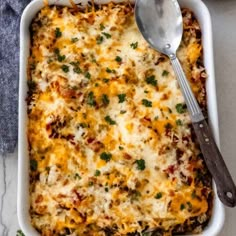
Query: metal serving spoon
(161, 24)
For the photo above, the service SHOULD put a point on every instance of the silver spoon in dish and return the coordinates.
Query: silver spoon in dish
(161, 24)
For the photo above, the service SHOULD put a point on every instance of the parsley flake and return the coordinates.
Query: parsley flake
(108, 70)
(61, 58)
(77, 70)
(165, 73)
(118, 59)
(58, 33)
(179, 122)
(65, 68)
(140, 164)
(97, 173)
(106, 156)
(109, 120)
(87, 75)
(158, 195)
(77, 176)
(121, 97)
(146, 103)
(182, 207)
(106, 35)
(134, 45)
(90, 100)
(181, 108)
(102, 27)
(151, 80)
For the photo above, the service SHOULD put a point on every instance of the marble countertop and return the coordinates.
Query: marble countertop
(223, 14)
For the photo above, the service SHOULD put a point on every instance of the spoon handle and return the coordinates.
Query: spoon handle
(225, 185)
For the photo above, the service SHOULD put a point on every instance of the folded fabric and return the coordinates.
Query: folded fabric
(10, 12)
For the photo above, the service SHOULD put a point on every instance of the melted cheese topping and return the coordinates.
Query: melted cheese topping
(110, 141)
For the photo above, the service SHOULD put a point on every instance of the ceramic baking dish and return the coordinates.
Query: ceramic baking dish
(203, 16)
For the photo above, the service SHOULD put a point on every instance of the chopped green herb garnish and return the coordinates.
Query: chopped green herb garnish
(56, 51)
(65, 68)
(106, 189)
(169, 110)
(108, 70)
(33, 165)
(146, 103)
(87, 75)
(151, 80)
(97, 173)
(105, 99)
(77, 176)
(182, 207)
(90, 183)
(165, 73)
(109, 120)
(96, 84)
(122, 112)
(102, 27)
(140, 164)
(121, 148)
(118, 59)
(106, 80)
(99, 39)
(19, 233)
(90, 100)
(145, 91)
(179, 122)
(77, 70)
(74, 63)
(158, 195)
(74, 40)
(134, 45)
(61, 58)
(121, 97)
(106, 35)
(106, 156)
(58, 33)
(181, 108)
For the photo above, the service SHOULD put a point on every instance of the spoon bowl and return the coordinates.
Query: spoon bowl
(160, 23)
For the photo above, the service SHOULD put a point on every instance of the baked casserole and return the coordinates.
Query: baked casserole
(112, 150)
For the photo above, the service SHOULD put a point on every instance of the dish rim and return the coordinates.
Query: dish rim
(203, 16)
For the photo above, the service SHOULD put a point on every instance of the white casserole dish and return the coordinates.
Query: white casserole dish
(203, 16)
